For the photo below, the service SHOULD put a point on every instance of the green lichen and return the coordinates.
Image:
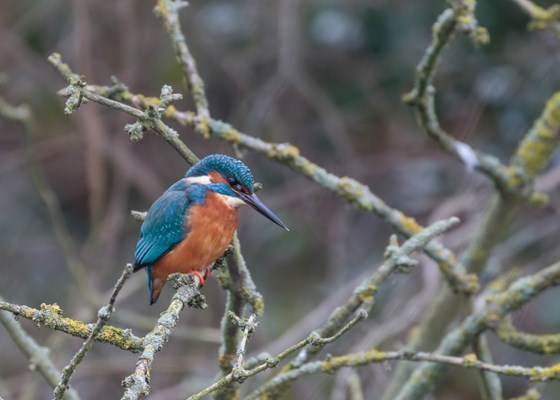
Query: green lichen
(409, 224)
(203, 127)
(232, 136)
(470, 360)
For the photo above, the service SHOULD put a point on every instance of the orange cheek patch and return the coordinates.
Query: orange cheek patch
(216, 177)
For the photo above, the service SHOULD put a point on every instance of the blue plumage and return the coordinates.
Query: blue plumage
(228, 167)
(200, 237)
(164, 225)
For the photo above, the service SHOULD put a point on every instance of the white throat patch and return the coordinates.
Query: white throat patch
(201, 180)
(234, 201)
(205, 180)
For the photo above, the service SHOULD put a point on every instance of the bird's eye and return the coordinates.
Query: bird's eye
(235, 185)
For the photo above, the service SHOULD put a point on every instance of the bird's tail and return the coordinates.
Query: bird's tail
(137, 267)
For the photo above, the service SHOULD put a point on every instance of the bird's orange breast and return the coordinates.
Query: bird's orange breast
(210, 229)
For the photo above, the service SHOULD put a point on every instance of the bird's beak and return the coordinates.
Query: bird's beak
(257, 204)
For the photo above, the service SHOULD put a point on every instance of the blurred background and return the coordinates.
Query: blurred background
(327, 76)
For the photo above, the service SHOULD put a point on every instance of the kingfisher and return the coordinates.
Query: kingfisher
(193, 222)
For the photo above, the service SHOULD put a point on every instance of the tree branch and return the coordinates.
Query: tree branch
(347, 188)
(50, 316)
(240, 375)
(541, 344)
(168, 12)
(496, 307)
(38, 356)
(137, 385)
(103, 315)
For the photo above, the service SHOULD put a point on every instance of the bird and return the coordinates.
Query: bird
(193, 222)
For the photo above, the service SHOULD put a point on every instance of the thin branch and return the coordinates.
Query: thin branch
(168, 12)
(541, 18)
(77, 91)
(496, 307)
(240, 375)
(347, 188)
(530, 158)
(421, 98)
(50, 316)
(103, 315)
(241, 290)
(38, 356)
(491, 386)
(397, 257)
(469, 361)
(541, 344)
(23, 115)
(249, 327)
(137, 385)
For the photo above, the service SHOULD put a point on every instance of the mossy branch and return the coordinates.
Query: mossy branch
(332, 364)
(347, 188)
(541, 344)
(137, 385)
(50, 316)
(497, 306)
(103, 315)
(38, 356)
(363, 297)
(421, 97)
(541, 18)
(397, 258)
(239, 374)
(532, 394)
(168, 12)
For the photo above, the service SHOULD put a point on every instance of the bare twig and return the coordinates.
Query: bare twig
(541, 18)
(470, 361)
(497, 306)
(350, 189)
(137, 385)
(240, 375)
(364, 295)
(168, 12)
(38, 356)
(103, 315)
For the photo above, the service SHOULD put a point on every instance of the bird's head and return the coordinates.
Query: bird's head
(232, 178)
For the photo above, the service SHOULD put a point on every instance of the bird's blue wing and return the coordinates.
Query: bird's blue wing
(163, 227)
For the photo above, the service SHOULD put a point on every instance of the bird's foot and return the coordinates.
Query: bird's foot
(207, 272)
(200, 277)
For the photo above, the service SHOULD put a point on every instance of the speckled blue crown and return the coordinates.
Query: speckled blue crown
(228, 167)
